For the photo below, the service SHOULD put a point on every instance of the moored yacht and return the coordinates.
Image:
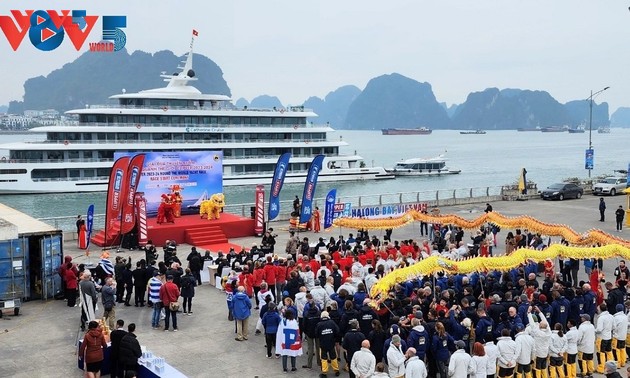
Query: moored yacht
(435, 166)
(78, 157)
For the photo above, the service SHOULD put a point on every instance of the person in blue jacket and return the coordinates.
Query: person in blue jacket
(560, 308)
(270, 321)
(242, 311)
(441, 346)
(484, 325)
(418, 338)
(577, 306)
(590, 298)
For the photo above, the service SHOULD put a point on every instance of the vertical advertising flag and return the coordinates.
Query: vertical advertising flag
(329, 211)
(259, 211)
(133, 178)
(309, 188)
(141, 216)
(589, 159)
(628, 178)
(115, 197)
(282, 166)
(90, 225)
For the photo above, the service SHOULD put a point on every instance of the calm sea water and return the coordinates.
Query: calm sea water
(493, 159)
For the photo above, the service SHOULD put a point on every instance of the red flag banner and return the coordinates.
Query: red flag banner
(116, 192)
(133, 178)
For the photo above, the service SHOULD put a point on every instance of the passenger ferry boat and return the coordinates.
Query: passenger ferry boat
(423, 167)
(178, 117)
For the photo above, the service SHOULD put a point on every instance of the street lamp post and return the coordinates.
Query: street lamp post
(590, 124)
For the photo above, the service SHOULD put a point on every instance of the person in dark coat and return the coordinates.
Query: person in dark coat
(130, 350)
(602, 209)
(195, 263)
(327, 333)
(312, 317)
(352, 342)
(140, 283)
(188, 282)
(127, 278)
(115, 337)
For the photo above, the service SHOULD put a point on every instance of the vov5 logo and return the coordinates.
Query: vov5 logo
(47, 29)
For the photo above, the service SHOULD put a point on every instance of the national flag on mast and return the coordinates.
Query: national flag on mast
(116, 191)
(309, 188)
(282, 166)
(195, 33)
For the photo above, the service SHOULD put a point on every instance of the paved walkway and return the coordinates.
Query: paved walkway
(40, 342)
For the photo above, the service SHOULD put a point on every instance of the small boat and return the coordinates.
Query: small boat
(554, 129)
(422, 167)
(416, 131)
(603, 130)
(528, 129)
(473, 132)
(577, 130)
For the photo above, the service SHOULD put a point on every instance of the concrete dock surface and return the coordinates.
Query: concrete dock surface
(40, 342)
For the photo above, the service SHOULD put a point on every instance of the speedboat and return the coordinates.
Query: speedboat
(435, 166)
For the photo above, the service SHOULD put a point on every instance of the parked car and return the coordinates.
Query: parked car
(561, 191)
(610, 185)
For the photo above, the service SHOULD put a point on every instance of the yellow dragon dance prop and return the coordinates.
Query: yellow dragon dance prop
(609, 246)
(591, 237)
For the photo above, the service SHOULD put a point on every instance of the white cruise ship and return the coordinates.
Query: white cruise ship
(178, 117)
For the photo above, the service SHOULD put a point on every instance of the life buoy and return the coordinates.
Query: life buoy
(4, 158)
(138, 126)
(165, 108)
(307, 141)
(294, 127)
(65, 142)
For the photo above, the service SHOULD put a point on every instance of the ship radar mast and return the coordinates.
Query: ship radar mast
(180, 79)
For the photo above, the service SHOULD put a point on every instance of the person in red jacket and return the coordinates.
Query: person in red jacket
(72, 285)
(258, 276)
(92, 350)
(169, 293)
(246, 279)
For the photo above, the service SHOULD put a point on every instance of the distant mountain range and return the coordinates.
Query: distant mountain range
(387, 101)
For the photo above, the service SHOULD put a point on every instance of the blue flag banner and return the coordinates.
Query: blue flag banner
(589, 159)
(309, 188)
(329, 211)
(628, 178)
(282, 166)
(90, 223)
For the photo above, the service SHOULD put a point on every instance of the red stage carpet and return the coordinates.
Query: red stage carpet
(213, 234)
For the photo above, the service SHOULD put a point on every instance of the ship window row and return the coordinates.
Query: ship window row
(156, 120)
(167, 137)
(108, 155)
(103, 173)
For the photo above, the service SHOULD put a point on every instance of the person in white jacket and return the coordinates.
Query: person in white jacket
(572, 349)
(603, 331)
(586, 345)
(620, 330)
(557, 347)
(542, 338)
(460, 365)
(363, 362)
(415, 367)
(479, 361)
(524, 352)
(395, 358)
(507, 354)
(493, 354)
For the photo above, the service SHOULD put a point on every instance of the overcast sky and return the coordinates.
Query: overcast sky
(296, 49)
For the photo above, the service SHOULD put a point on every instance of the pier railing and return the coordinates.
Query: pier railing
(432, 198)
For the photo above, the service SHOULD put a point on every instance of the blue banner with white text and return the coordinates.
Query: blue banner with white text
(329, 211)
(309, 188)
(282, 166)
(90, 224)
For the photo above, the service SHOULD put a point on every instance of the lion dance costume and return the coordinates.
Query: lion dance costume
(212, 207)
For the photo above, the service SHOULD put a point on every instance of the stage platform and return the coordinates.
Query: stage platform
(204, 234)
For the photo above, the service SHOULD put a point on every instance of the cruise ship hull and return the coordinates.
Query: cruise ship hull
(21, 185)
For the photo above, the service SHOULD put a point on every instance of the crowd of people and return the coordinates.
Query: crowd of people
(536, 320)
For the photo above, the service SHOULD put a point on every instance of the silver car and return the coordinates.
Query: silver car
(610, 186)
